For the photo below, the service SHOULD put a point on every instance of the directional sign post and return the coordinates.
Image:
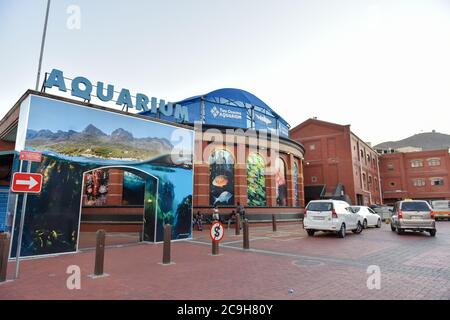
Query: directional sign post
(25, 183)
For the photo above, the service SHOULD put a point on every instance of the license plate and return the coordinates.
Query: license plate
(319, 218)
(417, 218)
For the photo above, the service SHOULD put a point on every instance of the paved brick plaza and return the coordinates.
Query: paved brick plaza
(282, 265)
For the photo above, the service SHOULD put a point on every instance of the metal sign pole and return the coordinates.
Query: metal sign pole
(22, 222)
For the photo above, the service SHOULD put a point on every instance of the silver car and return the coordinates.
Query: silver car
(415, 215)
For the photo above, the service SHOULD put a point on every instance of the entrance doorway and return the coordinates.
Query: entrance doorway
(120, 200)
(359, 200)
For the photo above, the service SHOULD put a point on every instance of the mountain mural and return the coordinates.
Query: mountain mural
(94, 143)
(427, 141)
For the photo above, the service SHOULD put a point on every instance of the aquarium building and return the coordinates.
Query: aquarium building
(134, 172)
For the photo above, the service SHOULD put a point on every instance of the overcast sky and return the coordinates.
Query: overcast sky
(382, 66)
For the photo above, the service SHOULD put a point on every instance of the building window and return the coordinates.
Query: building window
(434, 162)
(370, 182)
(296, 202)
(390, 167)
(313, 179)
(221, 169)
(416, 163)
(362, 154)
(256, 181)
(280, 182)
(312, 147)
(392, 184)
(419, 182)
(364, 180)
(437, 181)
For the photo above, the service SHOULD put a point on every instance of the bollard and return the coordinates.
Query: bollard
(246, 243)
(238, 224)
(215, 248)
(100, 253)
(4, 251)
(274, 223)
(167, 241)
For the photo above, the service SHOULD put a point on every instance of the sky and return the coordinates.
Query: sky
(382, 66)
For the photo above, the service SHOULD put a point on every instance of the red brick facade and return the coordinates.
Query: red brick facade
(333, 155)
(415, 175)
(289, 151)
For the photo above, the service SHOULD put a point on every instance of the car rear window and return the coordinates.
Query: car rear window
(415, 206)
(355, 209)
(320, 206)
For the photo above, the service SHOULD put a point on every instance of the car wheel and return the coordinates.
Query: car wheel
(399, 231)
(392, 228)
(365, 224)
(342, 231)
(310, 232)
(433, 232)
(359, 228)
(379, 223)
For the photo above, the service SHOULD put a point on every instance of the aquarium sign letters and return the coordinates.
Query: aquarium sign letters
(82, 87)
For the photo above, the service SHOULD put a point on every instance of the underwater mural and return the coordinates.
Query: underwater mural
(133, 189)
(96, 185)
(221, 164)
(256, 181)
(75, 140)
(280, 182)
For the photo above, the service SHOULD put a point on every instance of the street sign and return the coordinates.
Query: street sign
(217, 231)
(26, 182)
(30, 156)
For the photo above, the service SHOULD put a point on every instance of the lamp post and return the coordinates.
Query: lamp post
(42, 46)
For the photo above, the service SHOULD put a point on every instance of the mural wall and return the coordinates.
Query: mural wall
(221, 164)
(256, 181)
(280, 182)
(75, 139)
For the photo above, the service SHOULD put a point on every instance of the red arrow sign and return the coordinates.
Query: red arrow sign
(27, 182)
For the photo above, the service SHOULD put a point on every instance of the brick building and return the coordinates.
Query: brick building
(337, 163)
(415, 175)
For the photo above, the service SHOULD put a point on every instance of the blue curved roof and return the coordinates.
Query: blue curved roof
(236, 95)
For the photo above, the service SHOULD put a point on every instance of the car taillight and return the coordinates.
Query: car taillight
(306, 213)
(432, 214)
(400, 215)
(334, 214)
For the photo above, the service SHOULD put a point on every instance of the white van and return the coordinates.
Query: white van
(331, 216)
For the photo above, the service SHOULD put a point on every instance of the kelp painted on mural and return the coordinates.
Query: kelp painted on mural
(221, 178)
(256, 181)
(75, 140)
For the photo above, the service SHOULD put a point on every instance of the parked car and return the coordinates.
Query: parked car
(385, 212)
(415, 215)
(331, 216)
(441, 209)
(371, 218)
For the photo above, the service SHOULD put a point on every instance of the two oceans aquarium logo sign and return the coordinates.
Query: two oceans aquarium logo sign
(81, 87)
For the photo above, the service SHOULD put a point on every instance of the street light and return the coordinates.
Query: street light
(42, 46)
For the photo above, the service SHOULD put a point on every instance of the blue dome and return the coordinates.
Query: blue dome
(233, 95)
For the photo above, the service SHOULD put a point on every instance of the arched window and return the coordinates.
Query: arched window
(256, 181)
(221, 165)
(280, 182)
(295, 184)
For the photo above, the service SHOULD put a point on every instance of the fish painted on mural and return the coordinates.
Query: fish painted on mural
(220, 181)
(223, 198)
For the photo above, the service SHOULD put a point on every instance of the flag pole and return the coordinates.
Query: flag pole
(42, 46)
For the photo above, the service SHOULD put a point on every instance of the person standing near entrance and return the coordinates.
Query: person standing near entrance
(240, 210)
(215, 215)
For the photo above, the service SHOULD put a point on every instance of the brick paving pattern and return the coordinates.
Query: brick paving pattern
(282, 265)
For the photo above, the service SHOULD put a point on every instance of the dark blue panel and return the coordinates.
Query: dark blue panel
(220, 114)
(264, 122)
